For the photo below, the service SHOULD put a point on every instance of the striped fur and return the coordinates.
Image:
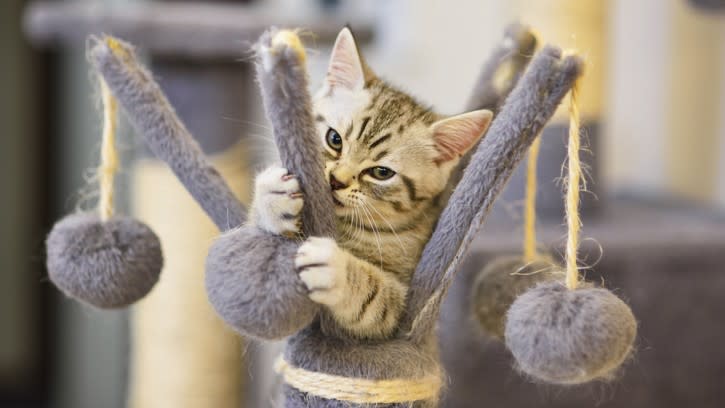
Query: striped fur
(383, 224)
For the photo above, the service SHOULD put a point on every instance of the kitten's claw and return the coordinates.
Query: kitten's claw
(277, 201)
(320, 264)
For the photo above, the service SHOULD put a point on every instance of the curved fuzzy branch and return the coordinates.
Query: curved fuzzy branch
(503, 68)
(154, 119)
(283, 83)
(499, 75)
(522, 117)
(250, 275)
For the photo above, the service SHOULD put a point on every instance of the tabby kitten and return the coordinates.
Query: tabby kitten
(388, 161)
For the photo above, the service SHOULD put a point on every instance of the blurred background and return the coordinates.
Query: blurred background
(653, 103)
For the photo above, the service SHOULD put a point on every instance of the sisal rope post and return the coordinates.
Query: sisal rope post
(530, 253)
(573, 221)
(109, 156)
(183, 356)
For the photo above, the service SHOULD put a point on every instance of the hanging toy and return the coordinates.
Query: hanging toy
(570, 332)
(100, 258)
(505, 278)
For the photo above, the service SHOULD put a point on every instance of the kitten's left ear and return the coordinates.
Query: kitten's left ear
(347, 69)
(456, 135)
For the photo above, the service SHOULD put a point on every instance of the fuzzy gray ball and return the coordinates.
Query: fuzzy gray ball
(496, 287)
(564, 336)
(252, 284)
(105, 264)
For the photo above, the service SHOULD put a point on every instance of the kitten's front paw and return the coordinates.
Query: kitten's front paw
(277, 201)
(321, 265)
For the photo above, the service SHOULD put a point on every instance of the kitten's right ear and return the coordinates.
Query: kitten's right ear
(456, 135)
(346, 69)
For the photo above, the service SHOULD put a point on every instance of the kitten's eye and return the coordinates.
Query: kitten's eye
(381, 173)
(334, 140)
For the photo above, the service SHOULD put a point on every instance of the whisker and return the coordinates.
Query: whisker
(397, 237)
(374, 226)
(358, 225)
(352, 227)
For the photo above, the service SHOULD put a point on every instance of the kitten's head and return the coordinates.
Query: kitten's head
(385, 154)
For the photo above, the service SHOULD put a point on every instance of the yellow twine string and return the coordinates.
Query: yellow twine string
(109, 157)
(572, 195)
(359, 390)
(530, 203)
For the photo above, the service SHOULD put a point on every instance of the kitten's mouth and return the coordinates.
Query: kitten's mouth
(336, 201)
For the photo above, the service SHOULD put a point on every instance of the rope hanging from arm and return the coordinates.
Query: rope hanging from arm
(153, 117)
(109, 156)
(526, 111)
(529, 249)
(573, 221)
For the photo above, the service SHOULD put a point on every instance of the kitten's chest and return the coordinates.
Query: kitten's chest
(393, 252)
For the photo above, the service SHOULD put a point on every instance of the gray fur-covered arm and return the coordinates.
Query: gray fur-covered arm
(528, 108)
(154, 119)
(251, 279)
(499, 75)
(503, 68)
(283, 81)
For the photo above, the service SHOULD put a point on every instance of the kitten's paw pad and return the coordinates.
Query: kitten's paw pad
(278, 201)
(321, 266)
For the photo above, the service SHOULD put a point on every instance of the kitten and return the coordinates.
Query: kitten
(388, 161)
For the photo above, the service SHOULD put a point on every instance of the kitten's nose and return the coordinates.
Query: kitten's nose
(335, 183)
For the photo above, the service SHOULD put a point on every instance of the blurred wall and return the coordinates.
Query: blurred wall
(21, 209)
(634, 150)
(666, 107)
(694, 114)
(721, 150)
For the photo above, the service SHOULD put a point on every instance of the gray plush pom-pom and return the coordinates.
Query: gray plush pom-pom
(564, 336)
(252, 284)
(496, 287)
(107, 264)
